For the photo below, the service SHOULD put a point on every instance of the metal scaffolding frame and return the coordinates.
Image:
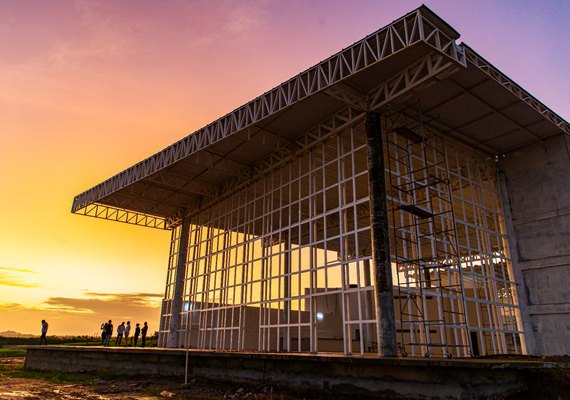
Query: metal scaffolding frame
(282, 262)
(455, 287)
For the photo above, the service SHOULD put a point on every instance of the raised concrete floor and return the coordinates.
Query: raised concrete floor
(410, 378)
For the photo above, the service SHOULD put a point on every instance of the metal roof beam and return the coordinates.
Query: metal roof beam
(419, 26)
(102, 211)
(496, 110)
(428, 67)
(189, 188)
(152, 206)
(474, 58)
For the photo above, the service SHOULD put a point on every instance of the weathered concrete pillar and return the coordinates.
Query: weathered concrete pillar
(528, 341)
(380, 238)
(180, 277)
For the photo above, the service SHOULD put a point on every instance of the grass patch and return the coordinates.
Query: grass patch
(9, 370)
(12, 352)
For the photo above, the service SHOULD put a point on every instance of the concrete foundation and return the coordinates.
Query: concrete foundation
(393, 378)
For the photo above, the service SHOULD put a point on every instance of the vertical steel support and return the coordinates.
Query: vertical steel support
(287, 293)
(385, 318)
(178, 296)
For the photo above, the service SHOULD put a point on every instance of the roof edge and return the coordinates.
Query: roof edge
(439, 22)
(418, 26)
(490, 70)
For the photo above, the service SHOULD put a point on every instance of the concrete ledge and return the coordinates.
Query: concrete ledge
(369, 376)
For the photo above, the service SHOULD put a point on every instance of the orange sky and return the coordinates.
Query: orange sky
(88, 88)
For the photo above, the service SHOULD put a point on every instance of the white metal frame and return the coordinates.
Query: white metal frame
(282, 262)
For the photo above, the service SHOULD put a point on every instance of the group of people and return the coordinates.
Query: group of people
(123, 332)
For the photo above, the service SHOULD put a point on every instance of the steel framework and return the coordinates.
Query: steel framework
(416, 27)
(455, 287)
(477, 60)
(282, 261)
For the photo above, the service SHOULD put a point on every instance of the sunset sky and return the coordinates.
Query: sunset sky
(88, 88)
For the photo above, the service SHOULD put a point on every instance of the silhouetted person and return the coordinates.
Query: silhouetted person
(143, 334)
(108, 332)
(137, 333)
(126, 332)
(103, 333)
(120, 331)
(43, 339)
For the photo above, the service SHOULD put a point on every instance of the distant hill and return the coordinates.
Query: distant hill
(13, 334)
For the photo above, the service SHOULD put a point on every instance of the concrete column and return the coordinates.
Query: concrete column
(380, 239)
(180, 277)
(528, 341)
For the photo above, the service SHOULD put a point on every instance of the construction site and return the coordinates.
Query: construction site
(401, 199)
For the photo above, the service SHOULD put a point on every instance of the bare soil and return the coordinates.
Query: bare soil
(15, 385)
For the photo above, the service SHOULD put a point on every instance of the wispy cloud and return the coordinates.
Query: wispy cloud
(245, 17)
(108, 304)
(17, 270)
(16, 277)
(139, 295)
(10, 306)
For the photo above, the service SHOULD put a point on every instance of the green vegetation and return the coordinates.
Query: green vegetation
(12, 352)
(59, 340)
(85, 340)
(16, 370)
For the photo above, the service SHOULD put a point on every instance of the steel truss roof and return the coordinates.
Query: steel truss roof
(414, 60)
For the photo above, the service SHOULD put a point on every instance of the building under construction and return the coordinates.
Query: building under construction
(402, 197)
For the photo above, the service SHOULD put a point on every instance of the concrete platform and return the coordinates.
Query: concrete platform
(394, 378)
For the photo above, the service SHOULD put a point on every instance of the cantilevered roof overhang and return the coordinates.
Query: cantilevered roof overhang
(415, 59)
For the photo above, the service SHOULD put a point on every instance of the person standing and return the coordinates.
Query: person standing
(126, 332)
(103, 333)
(108, 332)
(137, 333)
(43, 338)
(143, 334)
(120, 330)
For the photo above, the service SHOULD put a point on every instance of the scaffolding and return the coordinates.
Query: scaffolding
(449, 254)
(425, 245)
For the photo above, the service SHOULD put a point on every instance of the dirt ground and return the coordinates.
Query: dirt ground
(14, 387)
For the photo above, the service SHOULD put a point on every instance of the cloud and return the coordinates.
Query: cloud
(11, 307)
(105, 305)
(16, 277)
(145, 295)
(244, 18)
(82, 315)
(8, 281)
(17, 270)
